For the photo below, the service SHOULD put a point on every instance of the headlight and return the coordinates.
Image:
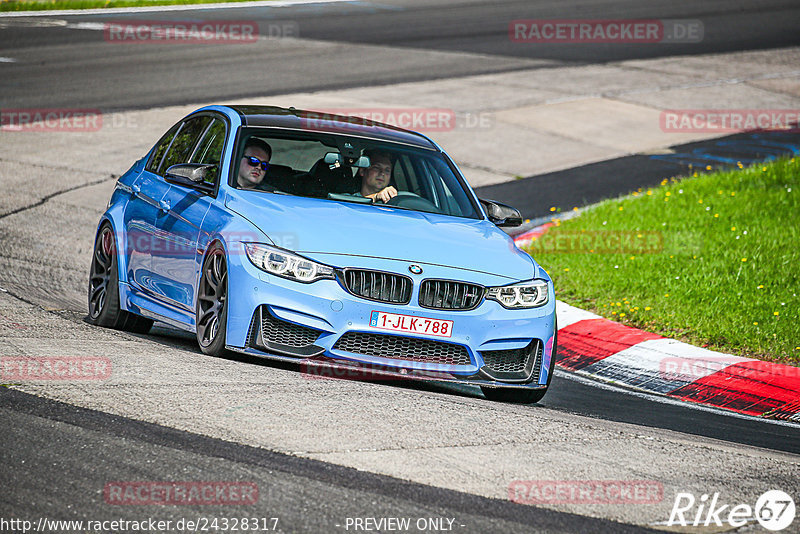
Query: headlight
(524, 295)
(285, 264)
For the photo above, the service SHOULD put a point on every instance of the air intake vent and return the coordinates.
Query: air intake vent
(514, 364)
(377, 285)
(270, 334)
(403, 348)
(289, 334)
(450, 295)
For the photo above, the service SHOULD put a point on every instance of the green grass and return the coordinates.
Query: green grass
(43, 5)
(723, 275)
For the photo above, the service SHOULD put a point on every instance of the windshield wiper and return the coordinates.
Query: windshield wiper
(349, 198)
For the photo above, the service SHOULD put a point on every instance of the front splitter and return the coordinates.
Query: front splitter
(328, 368)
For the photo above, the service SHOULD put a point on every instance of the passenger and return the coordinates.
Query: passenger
(254, 165)
(375, 178)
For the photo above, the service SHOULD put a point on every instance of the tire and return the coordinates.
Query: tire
(524, 396)
(103, 295)
(211, 311)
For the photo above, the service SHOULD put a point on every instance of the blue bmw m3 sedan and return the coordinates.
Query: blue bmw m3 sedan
(331, 241)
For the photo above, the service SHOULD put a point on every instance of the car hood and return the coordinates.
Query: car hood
(315, 227)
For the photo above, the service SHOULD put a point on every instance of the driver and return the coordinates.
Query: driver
(375, 178)
(254, 164)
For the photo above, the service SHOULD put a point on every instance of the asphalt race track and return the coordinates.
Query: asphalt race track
(323, 452)
(344, 44)
(305, 495)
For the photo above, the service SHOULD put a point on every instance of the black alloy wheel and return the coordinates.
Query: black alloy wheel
(104, 309)
(212, 302)
(100, 274)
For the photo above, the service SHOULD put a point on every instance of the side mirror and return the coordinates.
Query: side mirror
(198, 176)
(501, 214)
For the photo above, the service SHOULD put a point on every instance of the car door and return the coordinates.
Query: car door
(139, 217)
(182, 209)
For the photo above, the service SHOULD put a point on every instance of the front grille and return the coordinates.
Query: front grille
(403, 348)
(284, 333)
(378, 285)
(514, 363)
(450, 295)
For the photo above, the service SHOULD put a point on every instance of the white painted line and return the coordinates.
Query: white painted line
(96, 26)
(7, 60)
(568, 315)
(183, 7)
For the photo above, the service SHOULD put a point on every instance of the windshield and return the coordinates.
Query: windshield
(314, 165)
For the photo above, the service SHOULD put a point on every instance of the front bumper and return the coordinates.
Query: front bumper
(325, 311)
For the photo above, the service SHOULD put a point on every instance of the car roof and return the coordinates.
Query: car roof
(321, 121)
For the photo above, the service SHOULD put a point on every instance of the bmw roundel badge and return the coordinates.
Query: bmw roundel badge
(415, 269)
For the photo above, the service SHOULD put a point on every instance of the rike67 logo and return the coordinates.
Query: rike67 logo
(774, 510)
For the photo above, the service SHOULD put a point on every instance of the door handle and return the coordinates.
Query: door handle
(164, 206)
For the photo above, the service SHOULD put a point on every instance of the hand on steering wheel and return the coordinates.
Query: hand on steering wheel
(384, 195)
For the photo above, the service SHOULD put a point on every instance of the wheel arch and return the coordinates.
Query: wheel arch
(230, 229)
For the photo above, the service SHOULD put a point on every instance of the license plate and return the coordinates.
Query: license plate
(408, 323)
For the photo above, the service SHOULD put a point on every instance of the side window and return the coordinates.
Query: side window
(447, 193)
(399, 176)
(209, 150)
(185, 140)
(420, 178)
(404, 175)
(161, 149)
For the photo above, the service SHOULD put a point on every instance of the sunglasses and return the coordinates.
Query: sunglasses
(255, 162)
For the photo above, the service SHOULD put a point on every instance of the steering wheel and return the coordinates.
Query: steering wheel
(412, 201)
